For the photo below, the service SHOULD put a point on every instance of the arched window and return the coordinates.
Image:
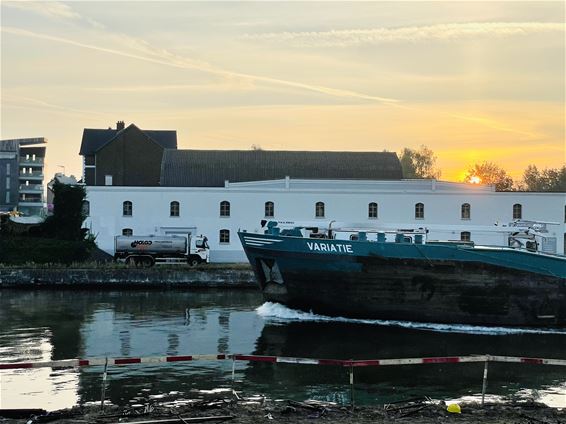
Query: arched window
(517, 211)
(372, 210)
(224, 236)
(127, 208)
(86, 208)
(419, 211)
(466, 211)
(319, 210)
(269, 209)
(127, 232)
(224, 208)
(465, 236)
(174, 208)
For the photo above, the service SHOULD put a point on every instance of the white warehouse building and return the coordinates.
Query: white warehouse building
(448, 210)
(139, 183)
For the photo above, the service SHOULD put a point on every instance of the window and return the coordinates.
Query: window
(7, 169)
(174, 209)
(517, 211)
(7, 183)
(108, 180)
(7, 197)
(224, 236)
(269, 209)
(466, 211)
(319, 210)
(127, 208)
(224, 208)
(127, 232)
(419, 211)
(86, 208)
(465, 236)
(372, 210)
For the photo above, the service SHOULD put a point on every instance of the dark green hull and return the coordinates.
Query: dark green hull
(426, 283)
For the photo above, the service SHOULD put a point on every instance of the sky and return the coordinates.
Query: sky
(473, 81)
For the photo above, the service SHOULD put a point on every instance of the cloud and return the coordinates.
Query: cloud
(413, 34)
(29, 102)
(51, 9)
(163, 57)
(222, 86)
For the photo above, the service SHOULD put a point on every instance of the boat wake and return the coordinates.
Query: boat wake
(278, 313)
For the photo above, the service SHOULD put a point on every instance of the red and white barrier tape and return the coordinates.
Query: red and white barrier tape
(71, 363)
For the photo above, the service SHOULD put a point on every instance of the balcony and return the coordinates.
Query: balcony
(31, 188)
(30, 203)
(31, 162)
(31, 176)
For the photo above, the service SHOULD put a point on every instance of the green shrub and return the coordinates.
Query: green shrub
(21, 250)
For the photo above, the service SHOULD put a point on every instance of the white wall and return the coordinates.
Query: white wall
(295, 200)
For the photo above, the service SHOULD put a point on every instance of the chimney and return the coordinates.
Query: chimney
(120, 125)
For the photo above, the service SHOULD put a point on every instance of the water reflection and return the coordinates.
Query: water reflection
(43, 325)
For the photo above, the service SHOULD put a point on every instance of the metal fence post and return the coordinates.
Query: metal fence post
(103, 390)
(484, 385)
(233, 370)
(352, 385)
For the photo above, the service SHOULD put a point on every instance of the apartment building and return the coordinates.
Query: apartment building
(22, 164)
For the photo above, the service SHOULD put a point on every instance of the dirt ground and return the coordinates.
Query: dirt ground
(247, 411)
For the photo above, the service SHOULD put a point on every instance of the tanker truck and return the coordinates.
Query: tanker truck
(155, 250)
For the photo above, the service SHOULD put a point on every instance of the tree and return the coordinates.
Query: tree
(68, 214)
(419, 163)
(490, 173)
(550, 179)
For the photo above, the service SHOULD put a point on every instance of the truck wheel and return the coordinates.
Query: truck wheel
(193, 261)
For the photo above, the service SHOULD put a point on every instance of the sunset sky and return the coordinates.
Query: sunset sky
(473, 81)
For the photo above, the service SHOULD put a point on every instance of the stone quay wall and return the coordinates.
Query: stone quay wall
(127, 278)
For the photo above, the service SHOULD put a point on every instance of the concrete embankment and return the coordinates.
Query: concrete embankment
(200, 277)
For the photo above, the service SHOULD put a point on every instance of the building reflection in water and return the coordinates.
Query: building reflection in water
(45, 325)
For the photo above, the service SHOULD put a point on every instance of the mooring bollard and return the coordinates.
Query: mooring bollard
(484, 385)
(103, 390)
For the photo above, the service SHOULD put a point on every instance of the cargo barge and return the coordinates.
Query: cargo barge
(400, 275)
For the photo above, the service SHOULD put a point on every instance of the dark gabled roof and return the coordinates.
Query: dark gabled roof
(210, 168)
(95, 139)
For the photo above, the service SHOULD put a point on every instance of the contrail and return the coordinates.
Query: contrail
(184, 64)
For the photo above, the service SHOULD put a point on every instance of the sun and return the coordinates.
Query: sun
(474, 180)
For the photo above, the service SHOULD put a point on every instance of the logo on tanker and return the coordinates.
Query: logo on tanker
(143, 243)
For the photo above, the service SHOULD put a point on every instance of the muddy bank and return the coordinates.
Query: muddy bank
(199, 277)
(248, 411)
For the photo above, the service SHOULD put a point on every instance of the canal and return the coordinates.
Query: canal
(62, 324)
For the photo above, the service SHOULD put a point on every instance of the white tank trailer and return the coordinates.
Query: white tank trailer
(155, 250)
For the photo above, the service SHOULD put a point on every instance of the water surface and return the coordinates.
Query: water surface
(44, 325)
